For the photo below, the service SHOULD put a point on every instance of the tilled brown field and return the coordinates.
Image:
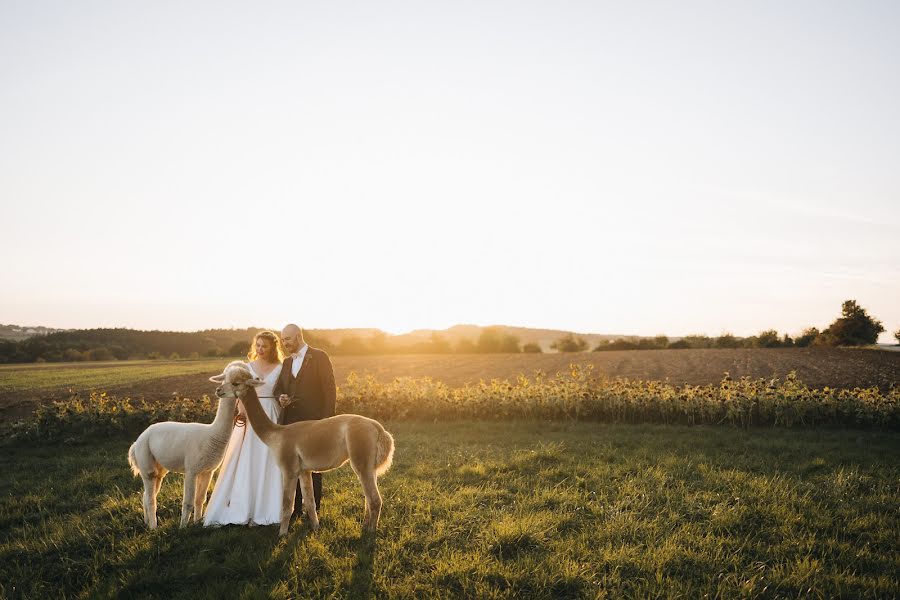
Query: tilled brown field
(817, 367)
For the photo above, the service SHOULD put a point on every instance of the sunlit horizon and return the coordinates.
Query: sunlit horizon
(638, 169)
(886, 338)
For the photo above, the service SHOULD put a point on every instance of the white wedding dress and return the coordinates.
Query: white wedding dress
(248, 489)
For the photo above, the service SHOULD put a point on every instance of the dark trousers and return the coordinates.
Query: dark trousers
(317, 494)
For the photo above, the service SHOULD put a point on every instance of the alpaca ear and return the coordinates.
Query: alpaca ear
(255, 382)
(218, 378)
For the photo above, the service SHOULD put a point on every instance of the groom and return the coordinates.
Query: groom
(306, 391)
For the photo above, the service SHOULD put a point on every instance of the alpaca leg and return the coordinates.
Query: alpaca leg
(288, 492)
(309, 499)
(365, 497)
(187, 504)
(200, 493)
(373, 500)
(149, 501)
(355, 465)
(156, 483)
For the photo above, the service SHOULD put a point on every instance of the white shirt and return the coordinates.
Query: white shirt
(298, 360)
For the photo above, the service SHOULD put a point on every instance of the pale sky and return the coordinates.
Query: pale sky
(609, 167)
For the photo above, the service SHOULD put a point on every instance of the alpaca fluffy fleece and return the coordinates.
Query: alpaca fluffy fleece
(195, 449)
(314, 446)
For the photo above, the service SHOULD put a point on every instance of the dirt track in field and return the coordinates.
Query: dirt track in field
(817, 367)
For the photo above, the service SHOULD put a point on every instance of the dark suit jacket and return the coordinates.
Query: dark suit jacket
(313, 390)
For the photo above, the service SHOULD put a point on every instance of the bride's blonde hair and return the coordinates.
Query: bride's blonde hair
(266, 335)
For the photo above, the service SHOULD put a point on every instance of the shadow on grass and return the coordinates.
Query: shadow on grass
(279, 562)
(208, 562)
(362, 580)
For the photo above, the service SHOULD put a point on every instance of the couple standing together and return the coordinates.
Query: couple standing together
(298, 385)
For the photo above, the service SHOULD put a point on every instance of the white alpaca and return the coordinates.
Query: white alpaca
(195, 449)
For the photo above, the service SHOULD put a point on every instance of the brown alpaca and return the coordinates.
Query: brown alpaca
(307, 446)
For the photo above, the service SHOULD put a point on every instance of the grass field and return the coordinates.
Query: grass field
(59, 377)
(511, 510)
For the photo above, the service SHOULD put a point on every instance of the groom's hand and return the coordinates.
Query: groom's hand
(284, 400)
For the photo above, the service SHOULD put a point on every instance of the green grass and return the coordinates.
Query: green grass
(492, 510)
(52, 376)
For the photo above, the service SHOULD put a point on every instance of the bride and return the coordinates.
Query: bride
(248, 489)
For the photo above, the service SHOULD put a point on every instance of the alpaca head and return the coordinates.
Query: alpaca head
(235, 380)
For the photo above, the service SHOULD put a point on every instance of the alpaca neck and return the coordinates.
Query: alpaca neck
(213, 448)
(259, 420)
(221, 426)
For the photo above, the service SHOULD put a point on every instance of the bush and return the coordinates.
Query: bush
(569, 343)
(826, 338)
(99, 354)
(659, 342)
(532, 348)
(768, 339)
(72, 355)
(118, 352)
(806, 338)
(619, 344)
(493, 340)
(698, 341)
(726, 340)
(854, 328)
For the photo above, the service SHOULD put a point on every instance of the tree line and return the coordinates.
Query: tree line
(854, 327)
(123, 344)
(130, 344)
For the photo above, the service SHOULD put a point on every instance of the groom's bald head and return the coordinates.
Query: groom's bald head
(291, 338)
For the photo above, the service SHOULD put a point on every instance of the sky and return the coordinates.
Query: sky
(636, 168)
